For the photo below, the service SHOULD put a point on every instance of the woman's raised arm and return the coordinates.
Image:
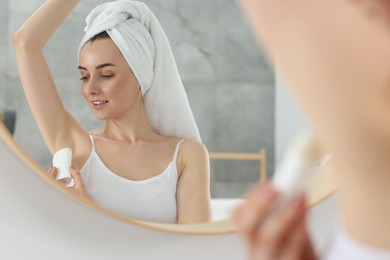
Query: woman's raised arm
(57, 126)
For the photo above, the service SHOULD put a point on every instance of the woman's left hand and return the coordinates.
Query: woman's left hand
(78, 187)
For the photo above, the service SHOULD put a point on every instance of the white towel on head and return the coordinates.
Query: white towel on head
(138, 34)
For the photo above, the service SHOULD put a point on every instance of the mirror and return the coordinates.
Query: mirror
(229, 85)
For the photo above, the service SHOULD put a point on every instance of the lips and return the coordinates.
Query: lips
(99, 103)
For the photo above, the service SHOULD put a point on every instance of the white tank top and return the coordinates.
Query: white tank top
(153, 199)
(345, 247)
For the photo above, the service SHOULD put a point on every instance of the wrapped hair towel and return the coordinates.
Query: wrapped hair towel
(139, 36)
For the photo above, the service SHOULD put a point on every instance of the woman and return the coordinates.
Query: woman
(147, 160)
(335, 56)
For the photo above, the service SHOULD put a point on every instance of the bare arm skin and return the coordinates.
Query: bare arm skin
(58, 128)
(193, 191)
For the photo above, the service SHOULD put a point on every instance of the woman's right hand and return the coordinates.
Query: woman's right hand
(78, 187)
(273, 233)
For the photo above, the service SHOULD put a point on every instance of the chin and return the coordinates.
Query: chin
(101, 117)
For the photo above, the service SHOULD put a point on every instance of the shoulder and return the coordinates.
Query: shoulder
(193, 151)
(193, 147)
(193, 160)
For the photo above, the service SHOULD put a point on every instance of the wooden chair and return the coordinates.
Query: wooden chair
(261, 157)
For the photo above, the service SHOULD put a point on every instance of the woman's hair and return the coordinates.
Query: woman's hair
(102, 35)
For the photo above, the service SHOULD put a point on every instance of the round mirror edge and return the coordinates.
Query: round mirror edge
(222, 227)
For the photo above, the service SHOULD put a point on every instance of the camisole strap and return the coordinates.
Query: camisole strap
(177, 150)
(93, 143)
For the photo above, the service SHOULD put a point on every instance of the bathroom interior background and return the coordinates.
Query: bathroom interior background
(230, 86)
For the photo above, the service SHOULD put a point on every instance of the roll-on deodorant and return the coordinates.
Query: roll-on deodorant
(62, 160)
(297, 166)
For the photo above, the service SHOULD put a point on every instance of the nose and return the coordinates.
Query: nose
(91, 87)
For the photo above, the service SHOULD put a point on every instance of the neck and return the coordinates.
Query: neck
(364, 197)
(131, 127)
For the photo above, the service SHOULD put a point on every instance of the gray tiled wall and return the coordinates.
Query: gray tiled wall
(230, 86)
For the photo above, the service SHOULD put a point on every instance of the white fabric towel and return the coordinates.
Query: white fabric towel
(140, 38)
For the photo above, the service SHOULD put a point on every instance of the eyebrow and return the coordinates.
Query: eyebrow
(98, 66)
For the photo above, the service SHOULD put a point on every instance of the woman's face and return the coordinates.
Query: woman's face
(108, 84)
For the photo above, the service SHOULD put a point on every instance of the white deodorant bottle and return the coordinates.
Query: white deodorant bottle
(62, 160)
(298, 165)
